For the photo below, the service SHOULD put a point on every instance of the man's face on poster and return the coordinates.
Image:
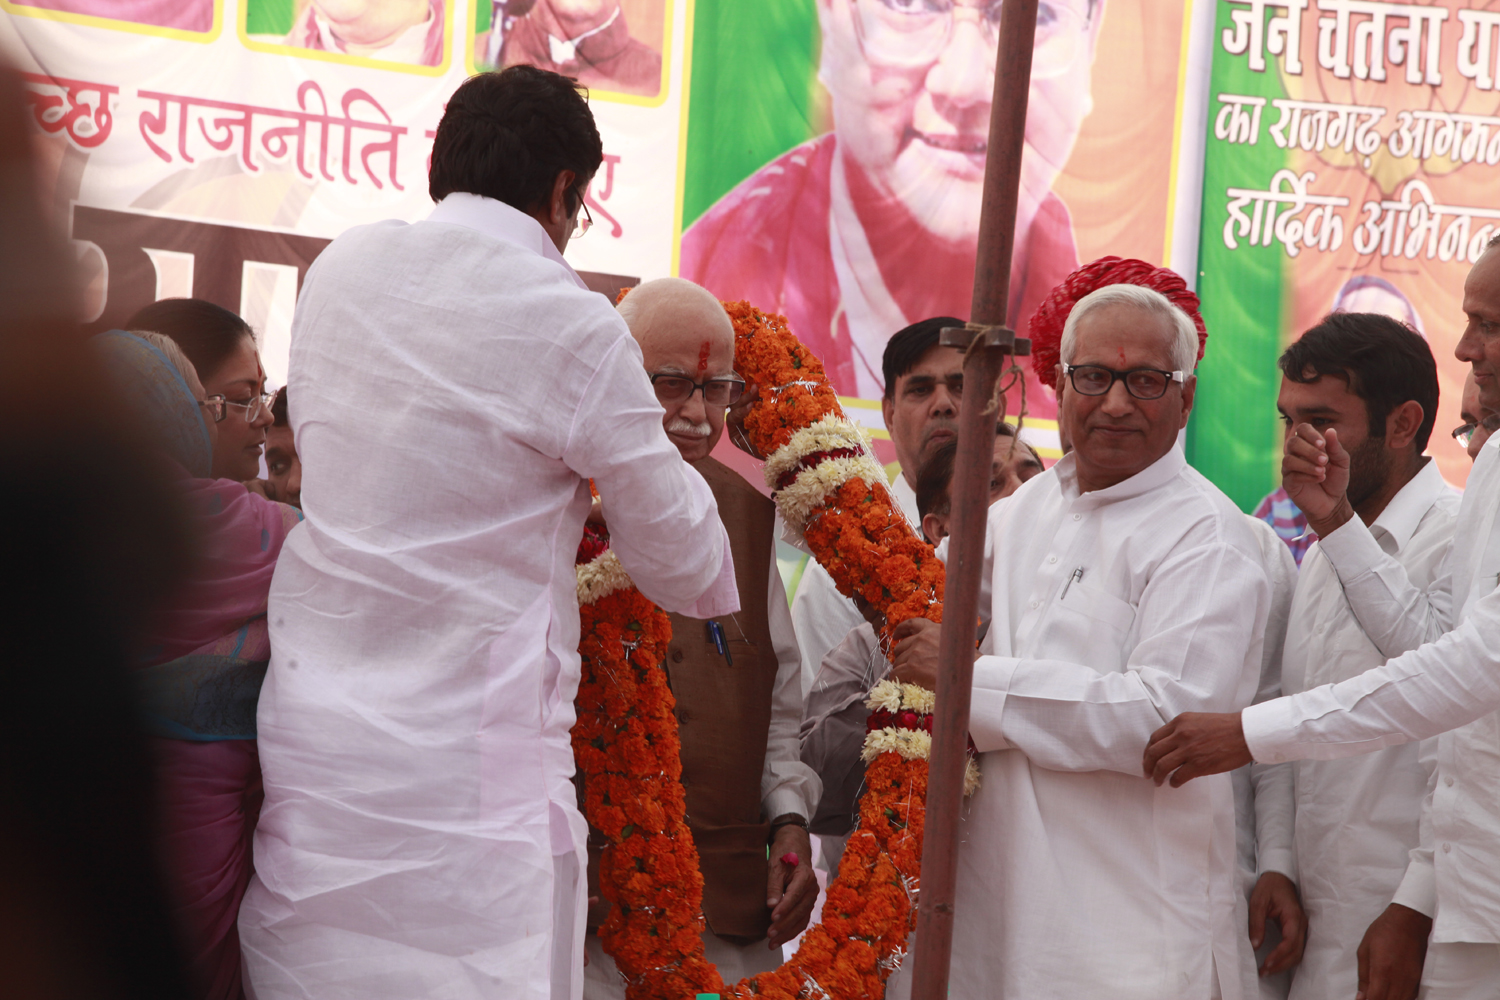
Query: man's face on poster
(911, 83)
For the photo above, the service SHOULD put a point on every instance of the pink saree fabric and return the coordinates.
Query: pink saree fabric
(207, 655)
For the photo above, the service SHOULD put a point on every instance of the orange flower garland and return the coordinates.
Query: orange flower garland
(828, 485)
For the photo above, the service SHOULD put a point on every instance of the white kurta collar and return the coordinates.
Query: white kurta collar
(1410, 504)
(500, 221)
(1157, 474)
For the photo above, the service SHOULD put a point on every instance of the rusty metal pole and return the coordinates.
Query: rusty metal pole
(988, 344)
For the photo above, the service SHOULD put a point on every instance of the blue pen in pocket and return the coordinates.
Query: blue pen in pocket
(716, 633)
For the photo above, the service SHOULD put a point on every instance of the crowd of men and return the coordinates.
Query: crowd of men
(1205, 772)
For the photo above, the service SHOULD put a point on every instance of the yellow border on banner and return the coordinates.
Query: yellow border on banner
(1182, 70)
(612, 96)
(114, 24)
(337, 57)
(682, 132)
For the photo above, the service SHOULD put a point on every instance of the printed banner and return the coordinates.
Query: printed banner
(822, 158)
(1350, 164)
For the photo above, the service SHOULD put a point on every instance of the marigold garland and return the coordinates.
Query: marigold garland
(828, 485)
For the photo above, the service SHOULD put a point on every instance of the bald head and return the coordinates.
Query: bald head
(683, 330)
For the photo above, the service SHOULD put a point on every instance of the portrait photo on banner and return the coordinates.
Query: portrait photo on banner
(861, 217)
(616, 48)
(415, 34)
(190, 20)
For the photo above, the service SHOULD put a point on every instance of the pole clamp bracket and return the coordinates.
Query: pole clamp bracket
(970, 335)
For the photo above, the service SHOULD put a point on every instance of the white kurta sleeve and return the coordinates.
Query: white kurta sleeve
(787, 785)
(833, 727)
(1430, 690)
(1274, 793)
(1199, 614)
(1396, 615)
(822, 617)
(663, 520)
(1418, 888)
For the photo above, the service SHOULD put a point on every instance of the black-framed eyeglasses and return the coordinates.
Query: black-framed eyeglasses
(1142, 383)
(1464, 433)
(217, 407)
(584, 221)
(253, 407)
(673, 388)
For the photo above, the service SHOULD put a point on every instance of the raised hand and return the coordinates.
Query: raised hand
(1315, 474)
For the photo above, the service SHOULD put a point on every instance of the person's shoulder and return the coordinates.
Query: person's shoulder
(1206, 513)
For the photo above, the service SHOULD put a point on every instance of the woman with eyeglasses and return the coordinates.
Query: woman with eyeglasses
(202, 659)
(221, 347)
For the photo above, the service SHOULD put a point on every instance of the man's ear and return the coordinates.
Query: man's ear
(1402, 424)
(888, 409)
(557, 207)
(932, 528)
(1189, 391)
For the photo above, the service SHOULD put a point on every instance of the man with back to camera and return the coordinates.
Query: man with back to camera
(739, 704)
(1373, 382)
(1450, 687)
(853, 234)
(1123, 585)
(420, 835)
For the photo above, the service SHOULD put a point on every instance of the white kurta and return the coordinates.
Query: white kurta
(1078, 877)
(454, 387)
(1450, 686)
(1263, 792)
(1357, 817)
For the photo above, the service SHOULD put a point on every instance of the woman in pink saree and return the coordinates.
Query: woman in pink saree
(204, 659)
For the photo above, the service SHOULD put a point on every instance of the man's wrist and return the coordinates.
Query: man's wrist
(788, 819)
(1342, 514)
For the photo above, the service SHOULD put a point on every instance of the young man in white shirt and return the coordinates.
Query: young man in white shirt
(1124, 587)
(457, 387)
(1449, 687)
(1372, 382)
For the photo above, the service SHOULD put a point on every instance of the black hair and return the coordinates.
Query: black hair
(906, 347)
(278, 408)
(507, 135)
(935, 477)
(208, 334)
(1385, 362)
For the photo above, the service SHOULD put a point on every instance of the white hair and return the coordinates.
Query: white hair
(174, 355)
(1184, 347)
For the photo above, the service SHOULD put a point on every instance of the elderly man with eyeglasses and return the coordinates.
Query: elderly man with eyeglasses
(1121, 585)
(737, 678)
(871, 227)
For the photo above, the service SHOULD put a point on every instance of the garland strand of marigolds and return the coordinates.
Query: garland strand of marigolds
(828, 486)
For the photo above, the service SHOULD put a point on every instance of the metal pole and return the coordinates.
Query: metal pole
(988, 343)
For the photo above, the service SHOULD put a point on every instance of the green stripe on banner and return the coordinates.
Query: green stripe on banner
(1234, 437)
(754, 92)
(269, 17)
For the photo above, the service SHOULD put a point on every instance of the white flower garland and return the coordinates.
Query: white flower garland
(602, 577)
(911, 744)
(812, 486)
(831, 433)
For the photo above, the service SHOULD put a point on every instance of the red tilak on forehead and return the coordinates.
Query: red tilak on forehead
(703, 357)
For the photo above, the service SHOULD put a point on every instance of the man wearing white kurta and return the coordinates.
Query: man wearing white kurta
(1125, 587)
(456, 387)
(1449, 687)
(1356, 819)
